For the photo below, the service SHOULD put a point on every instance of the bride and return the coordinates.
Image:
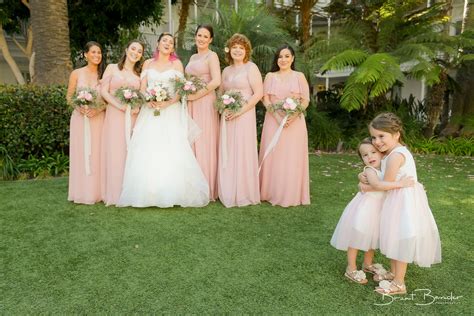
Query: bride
(161, 169)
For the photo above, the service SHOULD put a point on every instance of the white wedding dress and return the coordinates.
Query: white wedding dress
(161, 169)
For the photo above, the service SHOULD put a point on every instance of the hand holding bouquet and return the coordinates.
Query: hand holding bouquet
(231, 100)
(156, 93)
(129, 97)
(86, 98)
(188, 85)
(289, 106)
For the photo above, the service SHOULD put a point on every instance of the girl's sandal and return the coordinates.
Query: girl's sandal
(391, 288)
(375, 268)
(384, 275)
(357, 276)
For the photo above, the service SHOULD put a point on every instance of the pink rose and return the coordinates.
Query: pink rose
(127, 94)
(232, 100)
(186, 87)
(88, 96)
(227, 101)
(289, 104)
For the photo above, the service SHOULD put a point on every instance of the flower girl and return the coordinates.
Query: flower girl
(358, 227)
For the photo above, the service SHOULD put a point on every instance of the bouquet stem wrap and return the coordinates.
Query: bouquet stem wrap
(128, 124)
(224, 142)
(273, 142)
(87, 145)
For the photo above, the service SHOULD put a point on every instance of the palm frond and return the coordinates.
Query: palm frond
(348, 58)
(354, 95)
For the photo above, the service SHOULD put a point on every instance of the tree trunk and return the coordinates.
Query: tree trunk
(9, 59)
(306, 7)
(183, 18)
(434, 103)
(49, 19)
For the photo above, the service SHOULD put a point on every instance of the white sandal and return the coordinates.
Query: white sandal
(391, 288)
(357, 276)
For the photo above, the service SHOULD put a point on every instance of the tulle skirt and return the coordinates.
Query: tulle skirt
(358, 226)
(161, 169)
(408, 231)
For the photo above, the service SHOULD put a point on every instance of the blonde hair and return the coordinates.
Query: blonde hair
(238, 39)
(390, 123)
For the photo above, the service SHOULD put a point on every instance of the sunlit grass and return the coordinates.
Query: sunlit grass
(62, 258)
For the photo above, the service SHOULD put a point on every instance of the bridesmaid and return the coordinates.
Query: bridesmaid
(238, 174)
(205, 65)
(284, 174)
(114, 148)
(83, 187)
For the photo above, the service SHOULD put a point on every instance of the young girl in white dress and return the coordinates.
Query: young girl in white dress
(408, 231)
(358, 227)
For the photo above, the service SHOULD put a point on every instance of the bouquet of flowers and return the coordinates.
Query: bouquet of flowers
(231, 100)
(156, 92)
(289, 106)
(129, 96)
(188, 85)
(86, 97)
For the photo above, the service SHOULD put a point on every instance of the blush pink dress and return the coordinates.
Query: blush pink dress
(202, 111)
(83, 188)
(114, 147)
(284, 175)
(238, 176)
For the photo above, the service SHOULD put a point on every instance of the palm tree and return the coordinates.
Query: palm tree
(377, 40)
(49, 20)
(254, 21)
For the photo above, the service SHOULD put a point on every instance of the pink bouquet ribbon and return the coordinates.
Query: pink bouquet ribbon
(274, 141)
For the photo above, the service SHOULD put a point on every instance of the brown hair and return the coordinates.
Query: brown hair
(390, 123)
(365, 141)
(238, 39)
(137, 68)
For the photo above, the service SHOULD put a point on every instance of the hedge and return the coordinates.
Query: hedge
(34, 120)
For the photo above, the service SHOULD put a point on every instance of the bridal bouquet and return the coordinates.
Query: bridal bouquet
(188, 85)
(231, 100)
(86, 97)
(289, 106)
(129, 96)
(156, 92)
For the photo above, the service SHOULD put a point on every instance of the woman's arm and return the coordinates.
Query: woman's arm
(255, 81)
(105, 86)
(303, 83)
(266, 100)
(215, 70)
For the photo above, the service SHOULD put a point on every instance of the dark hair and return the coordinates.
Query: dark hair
(207, 27)
(101, 66)
(173, 55)
(365, 141)
(390, 123)
(277, 55)
(137, 68)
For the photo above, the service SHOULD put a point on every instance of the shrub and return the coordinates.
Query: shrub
(34, 120)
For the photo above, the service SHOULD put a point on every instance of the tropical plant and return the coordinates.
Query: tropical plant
(255, 21)
(378, 42)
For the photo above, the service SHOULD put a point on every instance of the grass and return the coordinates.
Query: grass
(59, 257)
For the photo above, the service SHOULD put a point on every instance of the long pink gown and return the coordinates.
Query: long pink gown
(83, 188)
(284, 175)
(114, 146)
(238, 175)
(202, 111)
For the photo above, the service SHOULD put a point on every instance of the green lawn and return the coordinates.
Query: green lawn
(58, 257)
